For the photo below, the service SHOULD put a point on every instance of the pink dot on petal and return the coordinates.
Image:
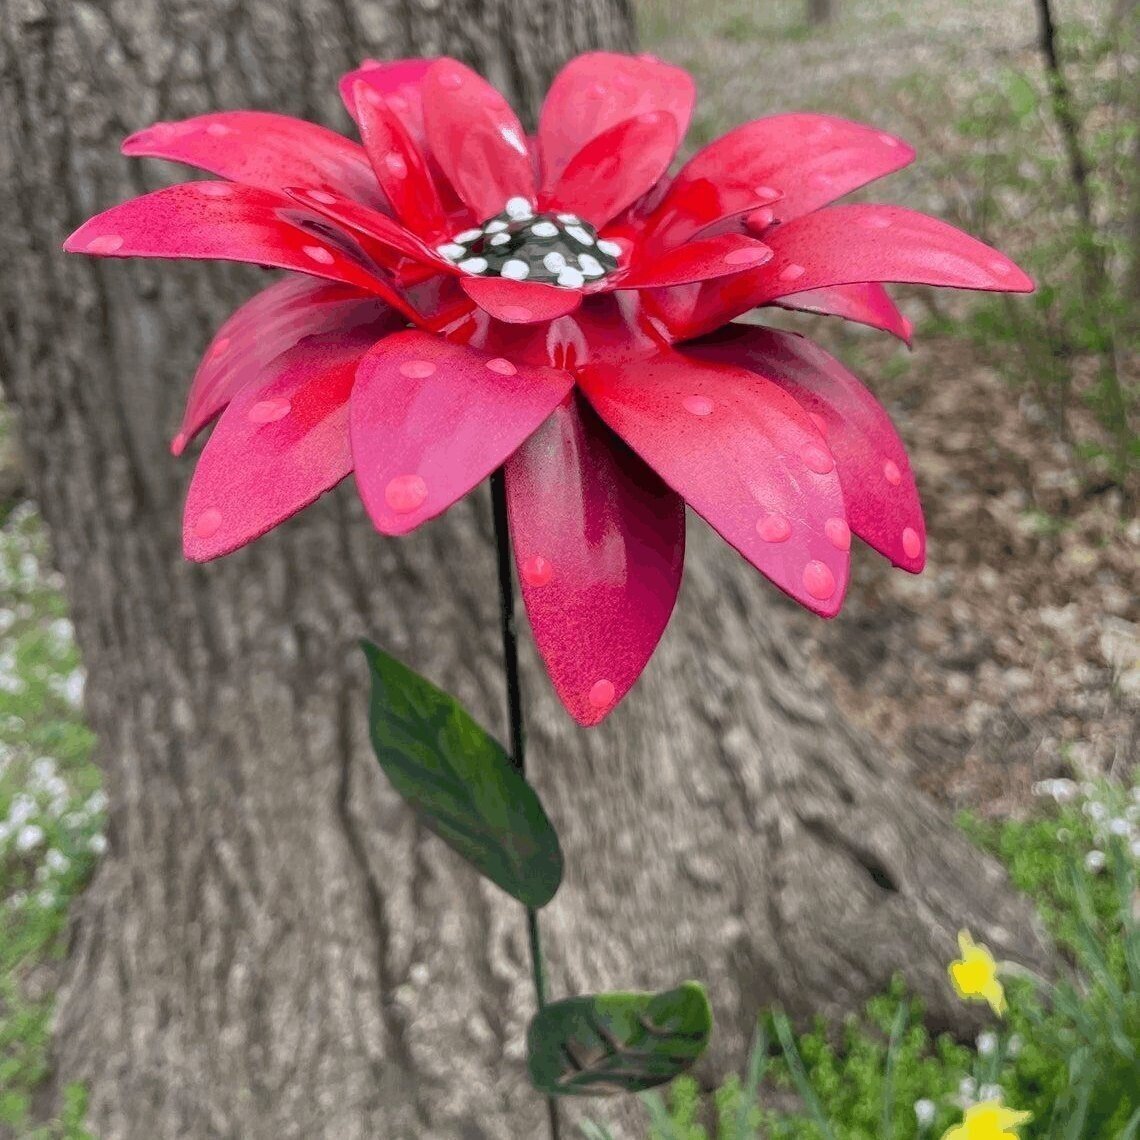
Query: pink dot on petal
(323, 196)
(888, 140)
(875, 222)
(207, 523)
(417, 369)
(105, 243)
(374, 97)
(452, 80)
(319, 254)
(537, 571)
(649, 118)
(220, 347)
(268, 411)
(817, 460)
(698, 405)
(218, 130)
(398, 103)
(178, 443)
(838, 533)
(746, 255)
(767, 193)
(215, 190)
(819, 580)
(502, 366)
(516, 313)
(405, 493)
(892, 473)
(760, 219)
(1001, 267)
(912, 544)
(774, 528)
(602, 694)
(792, 272)
(396, 165)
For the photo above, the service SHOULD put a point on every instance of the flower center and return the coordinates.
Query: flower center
(553, 249)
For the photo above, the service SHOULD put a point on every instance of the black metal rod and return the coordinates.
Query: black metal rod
(517, 726)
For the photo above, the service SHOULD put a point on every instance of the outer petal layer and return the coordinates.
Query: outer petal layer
(878, 484)
(398, 83)
(281, 443)
(867, 303)
(271, 322)
(476, 138)
(844, 245)
(222, 221)
(744, 455)
(598, 90)
(599, 542)
(804, 161)
(432, 419)
(703, 260)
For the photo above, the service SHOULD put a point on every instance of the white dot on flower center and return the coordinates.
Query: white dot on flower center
(610, 247)
(518, 208)
(515, 269)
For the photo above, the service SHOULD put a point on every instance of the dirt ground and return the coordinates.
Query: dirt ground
(1016, 655)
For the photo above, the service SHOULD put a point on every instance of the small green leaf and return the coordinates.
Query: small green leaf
(461, 782)
(617, 1043)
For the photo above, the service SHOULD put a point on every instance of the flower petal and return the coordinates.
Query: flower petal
(263, 150)
(432, 419)
(400, 166)
(878, 485)
(804, 161)
(228, 222)
(373, 225)
(598, 90)
(844, 245)
(723, 255)
(599, 542)
(476, 138)
(280, 444)
(399, 82)
(616, 168)
(271, 322)
(520, 302)
(866, 303)
(744, 455)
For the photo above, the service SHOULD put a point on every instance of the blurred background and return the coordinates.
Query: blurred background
(1009, 672)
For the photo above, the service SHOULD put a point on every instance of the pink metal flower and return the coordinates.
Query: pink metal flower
(463, 296)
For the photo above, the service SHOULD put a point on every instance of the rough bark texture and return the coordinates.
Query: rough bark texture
(273, 948)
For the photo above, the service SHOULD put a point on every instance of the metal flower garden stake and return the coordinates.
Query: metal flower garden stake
(556, 314)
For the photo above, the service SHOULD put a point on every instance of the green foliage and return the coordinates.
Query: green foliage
(51, 815)
(461, 782)
(617, 1042)
(1068, 1052)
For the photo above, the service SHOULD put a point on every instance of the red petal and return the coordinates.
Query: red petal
(720, 256)
(878, 484)
(224, 221)
(599, 541)
(476, 138)
(281, 443)
(400, 167)
(263, 150)
(867, 303)
(273, 321)
(616, 168)
(806, 160)
(374, 225)
(432, 419)
(399, 83)
(844, 245)
(744, 455)
(598, 90)
(520, 302)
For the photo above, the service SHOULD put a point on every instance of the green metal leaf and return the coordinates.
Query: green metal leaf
(461, 782)
(617, 1043)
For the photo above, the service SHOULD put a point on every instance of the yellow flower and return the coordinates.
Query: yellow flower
(990, 1120)
(975, 974)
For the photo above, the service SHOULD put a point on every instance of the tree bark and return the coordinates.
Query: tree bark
(273, 947)
(820, 11)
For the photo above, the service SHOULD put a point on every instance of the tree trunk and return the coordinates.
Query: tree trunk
(820, 11)
(273, 947)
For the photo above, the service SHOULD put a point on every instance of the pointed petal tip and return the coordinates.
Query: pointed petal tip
(178, 444)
